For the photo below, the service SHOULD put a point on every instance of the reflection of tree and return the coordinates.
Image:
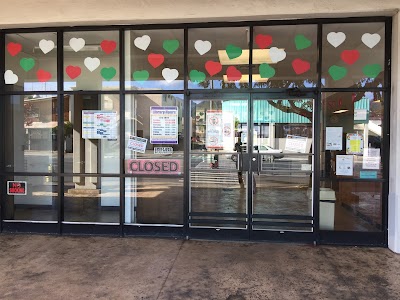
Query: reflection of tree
(302, 107)
(30, 114)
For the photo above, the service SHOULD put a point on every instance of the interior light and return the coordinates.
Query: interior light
(245, 79)
(340, 111)
(259, 56)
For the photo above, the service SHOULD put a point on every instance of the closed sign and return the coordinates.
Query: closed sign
(16, 187)
(153, 166)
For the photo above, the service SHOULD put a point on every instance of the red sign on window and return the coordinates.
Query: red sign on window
(16, 187)
(153, 166)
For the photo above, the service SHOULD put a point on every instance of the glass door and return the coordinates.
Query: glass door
(218, 175)
(282, 163)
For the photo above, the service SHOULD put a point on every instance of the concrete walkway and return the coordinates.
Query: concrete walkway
(46, 267)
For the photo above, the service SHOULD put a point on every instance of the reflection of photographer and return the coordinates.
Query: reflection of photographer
(238, 148)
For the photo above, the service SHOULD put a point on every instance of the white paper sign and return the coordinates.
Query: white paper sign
(371, 159)
(97, 124)
(344, 165)
(164, 125)
(163, 150)
(137, 144)
(360, 114)
(296, 143)
(214, 129)
(334, 137)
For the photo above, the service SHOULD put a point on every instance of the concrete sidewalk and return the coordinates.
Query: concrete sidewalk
(47, 267)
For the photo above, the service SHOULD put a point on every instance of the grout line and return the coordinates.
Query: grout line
(169, 272)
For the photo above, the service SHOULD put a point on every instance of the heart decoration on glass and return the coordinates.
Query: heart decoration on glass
(141, 75)
(213, 67)
(142, 42)
(266, 71)
(14, 48)
(233, 51)
(108, 73)
(350, 56)
(202, 47)
(73, 71)
(92, 63)
(27, 63)
(77, 44)
(155, 60)
(171, 46)
(46, 46)
(370, 40)
(197, 76)
(277, 54)
(170, 74)
(10, 77)
(302, 42)
(43, 76)
(263, 41)
(233, 74)
(108, 46)
(300, 66)
(336, 38)
(337, 72)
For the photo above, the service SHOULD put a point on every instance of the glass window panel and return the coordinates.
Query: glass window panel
(31, 62)
(92, 133)
(154, 133)
(285, 56)
(352, 125)
(91, 199)
(154, 59)
(351, 206)
(31, 123)
(154, 200)
(39, 203)
(218, 58)
(353, 55)
(91, 60)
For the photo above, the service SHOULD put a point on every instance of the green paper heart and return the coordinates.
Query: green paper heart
(372, 71)
(108, 73)
(233, 51)
(302, 42)
(141, 75)
(197, 76)
(337, 72)
(170, 45)
(266, 71)
(27, 63)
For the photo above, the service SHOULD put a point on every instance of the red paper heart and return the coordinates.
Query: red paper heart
(155, 59)
(213, 67)
(233, 73)
(14, 48)
(108, 46)
(300, 66)
(43, 75)
(73, 71)
(263, 41)
(350, 56)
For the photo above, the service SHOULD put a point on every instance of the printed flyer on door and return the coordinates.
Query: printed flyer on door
(164, 125)
(214, 129)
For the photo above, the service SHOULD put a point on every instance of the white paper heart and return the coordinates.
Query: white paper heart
(371, 40)
(170, 74)
(46, 46)
(202, 46)
(336, 38)
(277, 54)
(92, 63)
(142, 42)
(77, 44)
(10, 77)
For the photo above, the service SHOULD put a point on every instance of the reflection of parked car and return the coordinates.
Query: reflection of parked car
(264, 149)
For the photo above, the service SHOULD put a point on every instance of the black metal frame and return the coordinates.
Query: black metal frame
(320, 236)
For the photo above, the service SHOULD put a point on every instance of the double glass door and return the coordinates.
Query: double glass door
(251, 166)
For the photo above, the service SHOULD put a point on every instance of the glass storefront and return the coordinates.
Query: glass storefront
(252, 130)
